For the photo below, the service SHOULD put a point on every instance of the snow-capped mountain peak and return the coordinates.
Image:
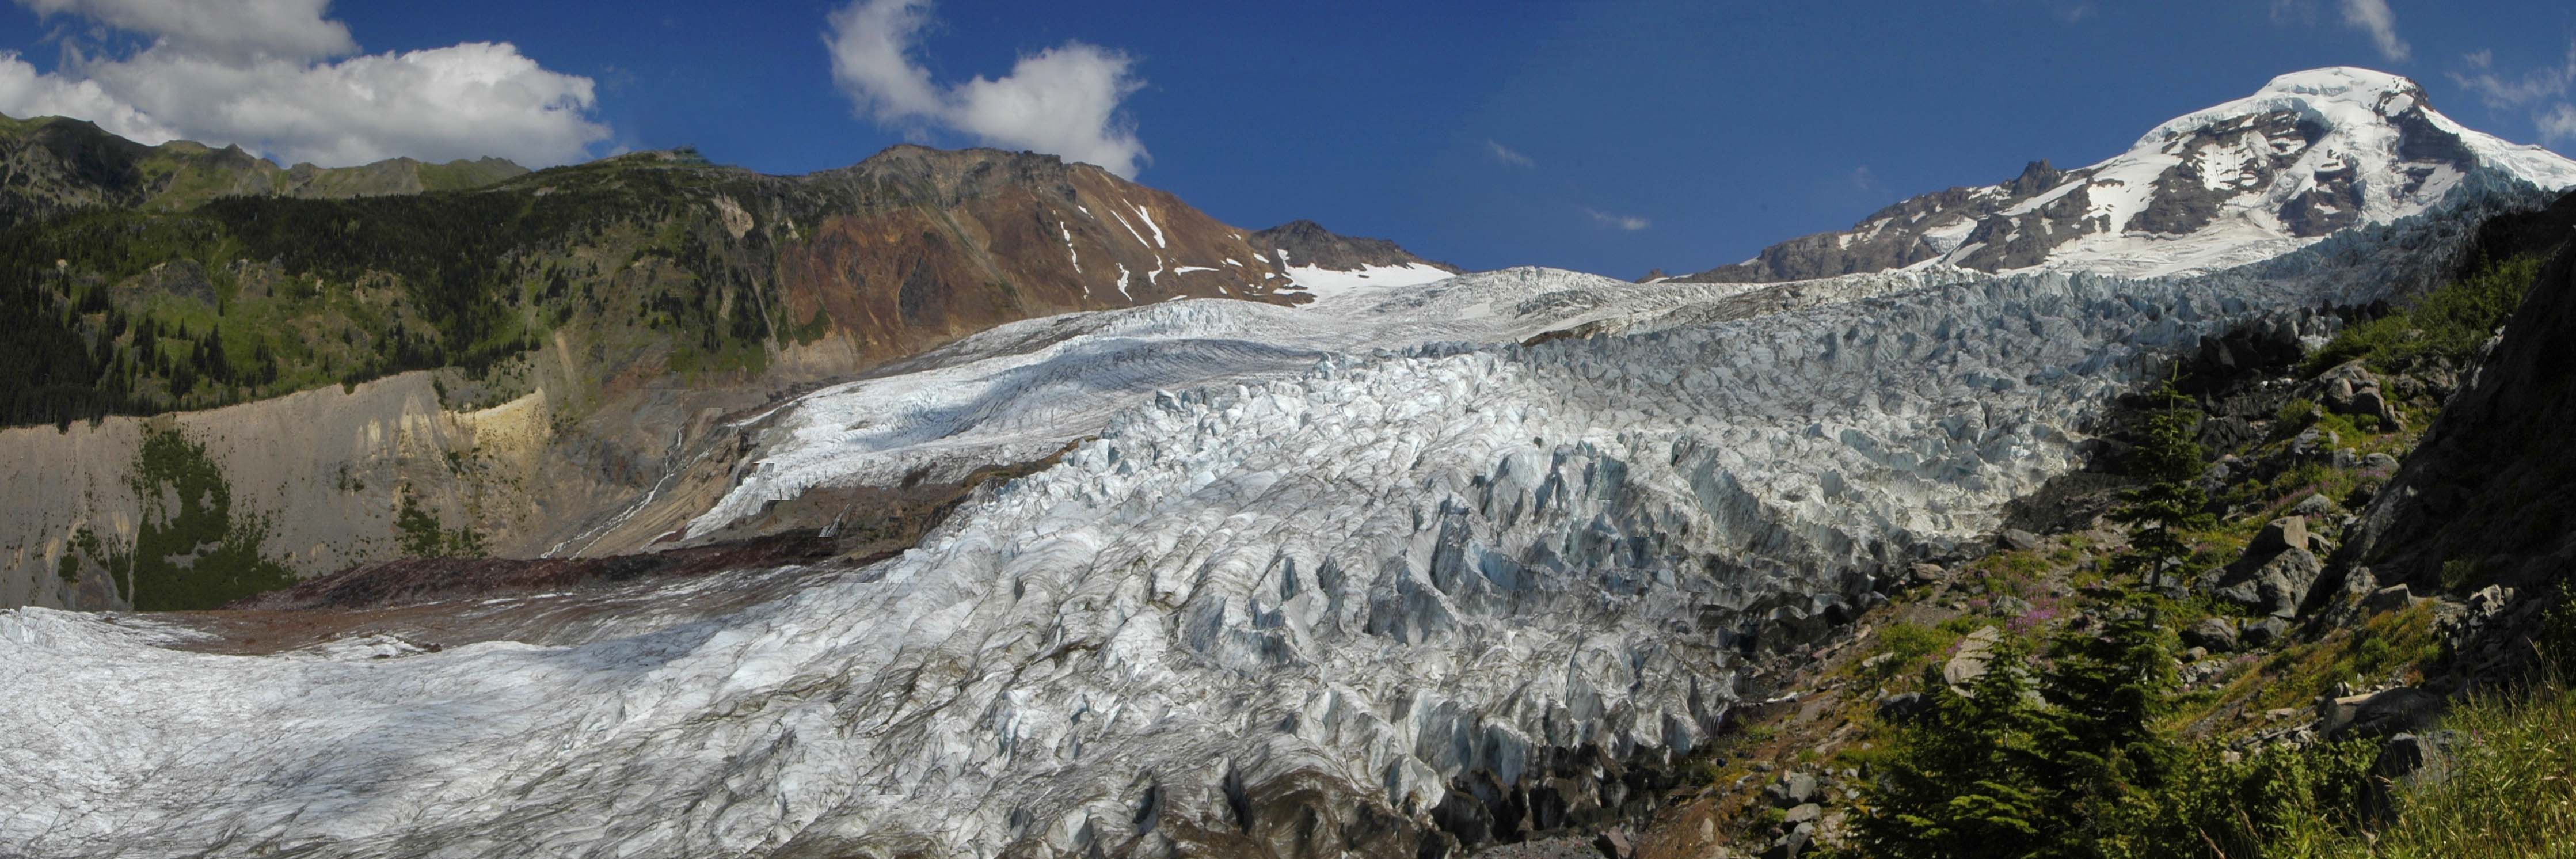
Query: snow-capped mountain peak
(2309, 154)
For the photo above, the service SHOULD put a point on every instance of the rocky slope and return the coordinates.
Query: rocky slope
(2488, 498)
(619, 309)
(2309, 154)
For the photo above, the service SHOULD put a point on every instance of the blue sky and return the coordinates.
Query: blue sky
(1610, 136)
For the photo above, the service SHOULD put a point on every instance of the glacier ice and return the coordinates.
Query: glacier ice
(1360, 549)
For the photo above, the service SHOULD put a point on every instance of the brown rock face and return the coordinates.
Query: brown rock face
(1306, 243)
(970, 239)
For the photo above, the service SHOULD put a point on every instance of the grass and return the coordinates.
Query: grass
(2509, 792)
(2294, 676)
(2447, 324)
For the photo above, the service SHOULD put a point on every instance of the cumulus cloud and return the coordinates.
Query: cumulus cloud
(1630, 223)
(1061, 101)
(1507, 156)
(2374, 17)
(262, 74)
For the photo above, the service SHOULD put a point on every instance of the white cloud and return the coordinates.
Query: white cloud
(1864, 181)
(1630, 223)
(256, 73)
(1061, 101)
(2498, 90)
(2558, 124)
(1506, 155)
(2543, 89)
(231, 29)
(2374, 17)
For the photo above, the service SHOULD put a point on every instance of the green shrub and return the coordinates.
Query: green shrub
(2447, 324)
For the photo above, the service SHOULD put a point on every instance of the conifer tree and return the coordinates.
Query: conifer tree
(2168, 459)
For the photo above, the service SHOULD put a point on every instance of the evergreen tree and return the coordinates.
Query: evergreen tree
(1967, 779)
(2169, 459)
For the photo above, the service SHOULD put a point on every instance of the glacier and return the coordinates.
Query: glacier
(1303, 578)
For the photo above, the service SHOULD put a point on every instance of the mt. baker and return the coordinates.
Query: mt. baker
(2311, 153)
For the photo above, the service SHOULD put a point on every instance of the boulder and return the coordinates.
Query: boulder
(2316, 504)
(2275, 586)
(2380, 462)
(1803, 813)
(1925, 574)
(2264, 633)
(2009, 606)
(2370, 402)
(2420, 758)
(2017, 539)
(2283, 534)
(1902, 707)
(2314, 443)
(2377, 714)
(1792, 844)
(2390, 598)
(1793, 789)
(2214, 633)
(1969, 663)
(1613, 843)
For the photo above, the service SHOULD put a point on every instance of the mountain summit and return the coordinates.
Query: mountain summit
(2310, 153)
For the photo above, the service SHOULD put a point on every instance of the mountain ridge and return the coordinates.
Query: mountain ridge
(2311, 153)
(51, 165)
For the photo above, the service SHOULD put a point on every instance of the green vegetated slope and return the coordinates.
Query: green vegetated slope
(194, 547)
(51, 165)
(139, 311)
(2117, 701)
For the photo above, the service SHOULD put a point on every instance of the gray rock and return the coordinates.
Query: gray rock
(2276, 586)
(2314, 442)
(1902, 707)
(1804, 812)
(2345, 457)
(1969, 663)
(2017, 539)
(1925, 574)
(1796, 788)
(2391, 711)
(2380, 462)
(2214, 633)
(2009, 606)
(2421, 758)
(2316, 504)
(2288, 532)
(2264, 633)
(2390, 598)
(1792, 844)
